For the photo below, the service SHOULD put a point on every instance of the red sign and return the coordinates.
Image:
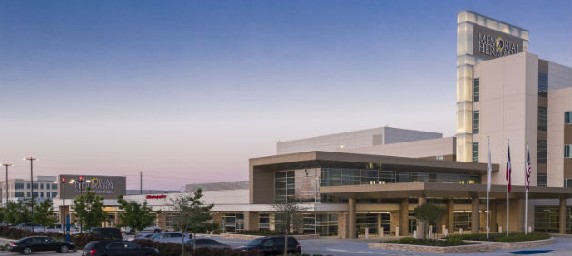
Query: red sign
(155, 196)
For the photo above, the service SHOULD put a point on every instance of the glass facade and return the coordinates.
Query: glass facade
(372, 221)
(475, 121)
(461, 220)
(546, 219)
(475, 152)
(264, 221)
(542, 152)
(284, 186)
(476, 90)
(323, 224)
(542, 84)
(232, 222)
(342, 177)
(542, 118)
(541, 180)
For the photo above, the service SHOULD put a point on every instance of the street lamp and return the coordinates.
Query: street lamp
(32, 159)
(7, 194)
(81, 182)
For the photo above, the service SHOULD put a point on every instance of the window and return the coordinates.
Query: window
(19, 194)
(19, 185)
(54, 194)
(542, 84)
(54, 186)
(475, 152)
(568, 151)
(28, 185)
(35, 185)
(542, 152)
(476, 90)
(476, 121)
(41, 194)
(568, 117)
(541, 180)
(568, 183)
(264, 221)
(41, 185)
(542, 119)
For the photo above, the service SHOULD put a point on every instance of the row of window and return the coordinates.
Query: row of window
(47, 186)
(41, 194)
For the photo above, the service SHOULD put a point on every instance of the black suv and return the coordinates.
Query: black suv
(107, 233)
(117, 248)
(271, 245)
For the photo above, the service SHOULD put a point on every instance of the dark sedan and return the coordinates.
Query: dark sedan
(31, 244)
(117, 248)
(208, 243)
(271, 245)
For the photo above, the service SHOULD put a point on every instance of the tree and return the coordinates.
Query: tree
(428, 213)
(191, 214)
(44, 214)
(135, 215)
(17, 213)
(89, 208)
(289, 219)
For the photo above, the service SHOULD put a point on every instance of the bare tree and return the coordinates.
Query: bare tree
(289, 215)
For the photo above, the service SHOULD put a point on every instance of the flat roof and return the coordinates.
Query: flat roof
(318, 158)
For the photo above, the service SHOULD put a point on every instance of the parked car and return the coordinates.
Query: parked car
(201, 243)
(117, 248)
(31, 244)
(144, 236)
(107, 233)
(271, 245)
(153, 229)
(171, 237)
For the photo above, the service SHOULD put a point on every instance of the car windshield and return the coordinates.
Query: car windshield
(255, 242)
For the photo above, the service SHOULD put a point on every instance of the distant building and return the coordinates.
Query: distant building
(349, 141)
(217, 186)
(20, 189)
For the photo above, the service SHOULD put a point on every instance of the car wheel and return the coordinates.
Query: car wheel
(64, 249)
(27, 251)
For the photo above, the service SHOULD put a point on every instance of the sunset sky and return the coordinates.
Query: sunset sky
(188, 91)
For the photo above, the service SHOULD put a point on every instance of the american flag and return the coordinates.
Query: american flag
(528, 168)
(508, 170)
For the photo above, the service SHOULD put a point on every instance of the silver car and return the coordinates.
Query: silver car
(171, 237)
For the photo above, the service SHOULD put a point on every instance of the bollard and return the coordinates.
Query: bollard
(397, 231)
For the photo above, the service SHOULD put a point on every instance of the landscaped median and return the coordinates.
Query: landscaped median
(467, 243)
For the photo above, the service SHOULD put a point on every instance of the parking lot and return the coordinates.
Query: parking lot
(342, 247)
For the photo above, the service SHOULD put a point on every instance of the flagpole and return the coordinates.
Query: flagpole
(508, 186)
(489, 169)
(526, 183)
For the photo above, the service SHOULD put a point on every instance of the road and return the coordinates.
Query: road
(341, 247)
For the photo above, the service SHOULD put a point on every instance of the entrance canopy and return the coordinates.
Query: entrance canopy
(441, 190)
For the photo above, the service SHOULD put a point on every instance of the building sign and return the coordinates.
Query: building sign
(155, 196)
(490, 44)
(109, 187)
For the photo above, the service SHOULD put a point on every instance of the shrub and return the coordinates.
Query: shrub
(502, 237)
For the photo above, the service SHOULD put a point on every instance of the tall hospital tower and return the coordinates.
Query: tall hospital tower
(508, 96)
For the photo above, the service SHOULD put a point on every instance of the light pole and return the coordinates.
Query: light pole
(32, 159)
(7, 194)
(81, 182)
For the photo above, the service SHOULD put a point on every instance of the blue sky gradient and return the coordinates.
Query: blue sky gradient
(188, 91)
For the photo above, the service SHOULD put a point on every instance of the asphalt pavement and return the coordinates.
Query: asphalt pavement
(344, 247)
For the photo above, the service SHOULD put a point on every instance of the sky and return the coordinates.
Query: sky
(189, 91)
